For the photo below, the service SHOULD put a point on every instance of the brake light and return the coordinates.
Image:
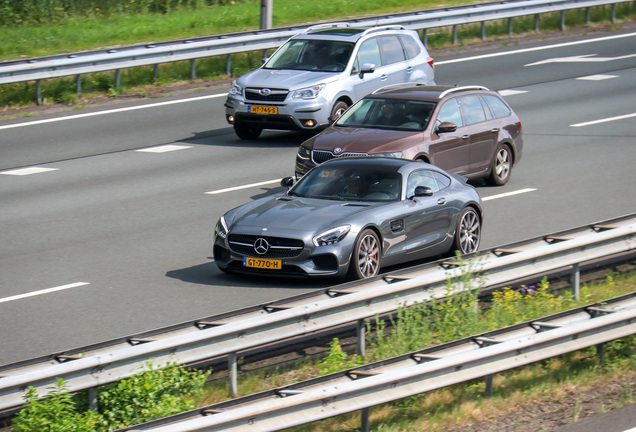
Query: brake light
(431, 62)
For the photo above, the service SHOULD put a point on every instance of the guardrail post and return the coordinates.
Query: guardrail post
(228, 62)
(483, 30)
(78, 84)
(536, 23)
(576, 282)
(588, 15)
(38, 92)
(92, 399)
(425, 36)
(232, 369)
(193, 70)
(155, 72)
(509, 26)
(488, 391)
(454, 34)
(562, 20)
(361, 338)
(364, 420)
(600, 352)
(613, 13)
(117, 78)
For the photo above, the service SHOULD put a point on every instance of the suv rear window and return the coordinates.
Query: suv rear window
(410, 46)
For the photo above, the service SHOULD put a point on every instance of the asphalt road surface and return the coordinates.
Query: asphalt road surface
(107, 214)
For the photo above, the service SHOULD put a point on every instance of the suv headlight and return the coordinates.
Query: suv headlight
(332, 236)
(221, 228)
(236, 89)
(309, 92)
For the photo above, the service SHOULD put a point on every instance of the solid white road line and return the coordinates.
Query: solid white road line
(44, 291)
(113, 111)
(247, 186)
(605, 120)
(508, 194)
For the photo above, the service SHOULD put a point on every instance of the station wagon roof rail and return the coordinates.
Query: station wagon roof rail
(463, 88)
(399, 86)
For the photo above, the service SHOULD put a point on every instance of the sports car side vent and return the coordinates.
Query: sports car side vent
(397, 225)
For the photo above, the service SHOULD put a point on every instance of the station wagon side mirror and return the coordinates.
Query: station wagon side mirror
(287, 182)
(366, 68)
(422, 191)
(446, 127)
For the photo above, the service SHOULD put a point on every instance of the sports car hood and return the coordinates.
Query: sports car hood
(366, 140)
(285, 78)
(291, 213)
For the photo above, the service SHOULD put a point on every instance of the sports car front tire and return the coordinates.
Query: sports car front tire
(365, 258)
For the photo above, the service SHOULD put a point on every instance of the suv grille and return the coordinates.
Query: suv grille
(320, 156)
(274, 95)
(278, 247)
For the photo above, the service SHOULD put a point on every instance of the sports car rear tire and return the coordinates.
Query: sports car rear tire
(468, 232)
(365, 258)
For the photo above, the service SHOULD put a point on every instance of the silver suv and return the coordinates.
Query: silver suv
(316, 75)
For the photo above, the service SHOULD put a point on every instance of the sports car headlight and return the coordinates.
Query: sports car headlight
(221, 228)
(391, 154)
(235, 89)
(303, 152)
(332, 236)
(309, 93)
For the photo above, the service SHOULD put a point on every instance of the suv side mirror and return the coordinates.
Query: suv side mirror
(366, 68)
(287, 182)
(446, 127)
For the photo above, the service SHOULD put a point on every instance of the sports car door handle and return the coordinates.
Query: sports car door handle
(465, 137)
(441, 201)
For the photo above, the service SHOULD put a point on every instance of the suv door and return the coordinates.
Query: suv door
(387, 55)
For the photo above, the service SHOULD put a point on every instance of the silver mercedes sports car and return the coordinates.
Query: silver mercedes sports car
(350, 217)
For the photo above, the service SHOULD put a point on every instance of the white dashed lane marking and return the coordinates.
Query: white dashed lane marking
(27, 171)
(44, 291)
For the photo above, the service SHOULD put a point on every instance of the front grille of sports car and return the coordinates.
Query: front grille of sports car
(273, 95)
(320, 156)
(279, 247)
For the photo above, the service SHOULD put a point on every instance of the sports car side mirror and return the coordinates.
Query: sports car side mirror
(421, 191)
(287, 182)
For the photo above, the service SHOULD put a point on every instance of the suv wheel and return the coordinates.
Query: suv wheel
(501, 166)
(338, 109)
(245, 132)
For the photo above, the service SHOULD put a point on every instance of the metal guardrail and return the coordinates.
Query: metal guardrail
(407, 375)
(228, 334)
(36, 69)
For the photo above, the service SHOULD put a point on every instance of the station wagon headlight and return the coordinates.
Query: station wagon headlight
(221, 228)
(391, 154)
(309, 92)
(332, 236)
(235, 89)
(304, 152)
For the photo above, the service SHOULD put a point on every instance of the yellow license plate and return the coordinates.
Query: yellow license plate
(268, 264)
(262, 109)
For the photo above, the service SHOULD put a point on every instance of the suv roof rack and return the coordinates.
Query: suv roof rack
(463, 88)
(399, 86)
(326, 26)
(381, 28)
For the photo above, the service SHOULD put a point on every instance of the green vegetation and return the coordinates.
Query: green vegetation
(32, 28)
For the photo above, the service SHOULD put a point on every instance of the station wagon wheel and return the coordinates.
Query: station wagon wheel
(338, 109)
(501, 166)
(365, 258)
(245, 132)
(468, 233)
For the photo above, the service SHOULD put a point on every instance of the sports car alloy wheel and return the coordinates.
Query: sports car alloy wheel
(468, 232)
(365, 261)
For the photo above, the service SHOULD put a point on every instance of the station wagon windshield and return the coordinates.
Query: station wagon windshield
(410, 115)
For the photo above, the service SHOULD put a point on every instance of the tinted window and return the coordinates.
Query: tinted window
(369, 53)
(411, 46)
(499, 107)
(472, 109)
(421, 178)
(391, 49)
(443, 180)
(450, 113)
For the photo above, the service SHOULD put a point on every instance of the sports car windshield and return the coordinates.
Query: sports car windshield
(350, 183)
(409, 115)
(311, 55)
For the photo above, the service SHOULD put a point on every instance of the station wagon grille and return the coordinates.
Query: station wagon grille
(278, 247)
(320, 156)
(265, 95)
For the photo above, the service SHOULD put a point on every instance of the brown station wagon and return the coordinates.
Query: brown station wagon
(468, 130)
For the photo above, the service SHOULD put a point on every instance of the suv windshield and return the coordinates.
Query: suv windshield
(388, 114)
(312, 55)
